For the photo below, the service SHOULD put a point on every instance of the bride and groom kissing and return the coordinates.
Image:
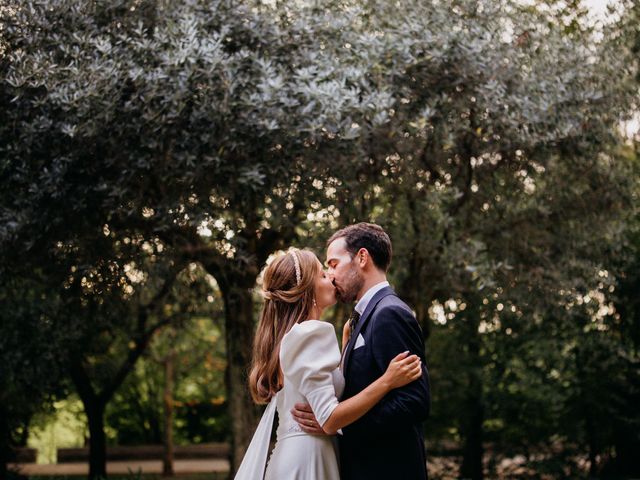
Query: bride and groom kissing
(347, 413)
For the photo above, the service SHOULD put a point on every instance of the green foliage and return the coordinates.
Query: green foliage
(136, 413)
(31, 358)
(146, 145)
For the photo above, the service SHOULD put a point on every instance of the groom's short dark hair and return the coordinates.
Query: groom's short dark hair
(369, 236)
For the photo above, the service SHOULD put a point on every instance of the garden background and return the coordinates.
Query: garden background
(154, 154)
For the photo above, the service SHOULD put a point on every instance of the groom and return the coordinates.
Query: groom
(386, 442)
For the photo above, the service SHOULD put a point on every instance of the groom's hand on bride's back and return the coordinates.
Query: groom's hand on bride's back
(303, 414)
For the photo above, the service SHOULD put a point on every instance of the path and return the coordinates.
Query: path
(122, 468)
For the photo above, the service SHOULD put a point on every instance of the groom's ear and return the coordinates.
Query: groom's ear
(363, 257)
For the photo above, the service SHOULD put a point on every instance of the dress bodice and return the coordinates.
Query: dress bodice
(310, 360)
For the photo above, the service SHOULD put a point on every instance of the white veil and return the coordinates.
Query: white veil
(255, 460)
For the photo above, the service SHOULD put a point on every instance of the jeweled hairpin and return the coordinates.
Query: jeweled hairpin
(296, 264)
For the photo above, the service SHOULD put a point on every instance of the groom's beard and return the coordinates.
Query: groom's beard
(348, 291)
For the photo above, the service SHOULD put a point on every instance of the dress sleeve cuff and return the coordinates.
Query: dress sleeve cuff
(323, 402)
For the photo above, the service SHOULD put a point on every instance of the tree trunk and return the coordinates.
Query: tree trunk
(593, 449)
(473, 450)
(627, 446)
(239, 327)
(5, 443)
(167, 457)
(473, 411)
(98, 441)
(94, 407)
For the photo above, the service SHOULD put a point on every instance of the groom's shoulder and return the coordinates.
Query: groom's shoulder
(393, 304)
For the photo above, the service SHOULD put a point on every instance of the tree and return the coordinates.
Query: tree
(497, 173)
(479, 134)
(624, 322)
(136, 413)
(31, 359)
(227, 115)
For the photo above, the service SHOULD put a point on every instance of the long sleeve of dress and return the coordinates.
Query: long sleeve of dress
(309, 354)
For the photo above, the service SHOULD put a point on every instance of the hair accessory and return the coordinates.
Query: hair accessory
(296, 264)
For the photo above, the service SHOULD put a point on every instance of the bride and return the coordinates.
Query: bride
(296, 359)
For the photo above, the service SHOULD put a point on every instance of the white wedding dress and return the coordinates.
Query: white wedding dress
(310, 361)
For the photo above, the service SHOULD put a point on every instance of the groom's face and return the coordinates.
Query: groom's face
(343, 271)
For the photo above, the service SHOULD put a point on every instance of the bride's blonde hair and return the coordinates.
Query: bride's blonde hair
(288, 291)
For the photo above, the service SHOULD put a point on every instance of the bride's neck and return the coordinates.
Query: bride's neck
(315, 313)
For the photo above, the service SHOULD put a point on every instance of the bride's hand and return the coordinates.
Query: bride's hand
(403, 369)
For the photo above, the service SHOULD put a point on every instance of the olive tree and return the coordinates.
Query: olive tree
(199, 128)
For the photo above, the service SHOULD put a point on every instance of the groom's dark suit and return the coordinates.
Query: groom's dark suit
(387, 442)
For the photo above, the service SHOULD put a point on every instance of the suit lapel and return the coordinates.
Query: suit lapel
(364, 318)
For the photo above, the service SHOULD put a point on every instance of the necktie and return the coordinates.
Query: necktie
(353, 321)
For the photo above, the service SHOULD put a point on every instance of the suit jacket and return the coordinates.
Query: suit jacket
(387, 442)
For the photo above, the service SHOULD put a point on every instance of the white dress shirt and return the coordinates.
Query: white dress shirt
(366, 298)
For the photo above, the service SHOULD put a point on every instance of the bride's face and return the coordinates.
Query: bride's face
(325, 292)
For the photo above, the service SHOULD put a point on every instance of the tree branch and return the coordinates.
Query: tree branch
(143, 336)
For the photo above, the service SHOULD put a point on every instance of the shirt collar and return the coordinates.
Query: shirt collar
(366, 298)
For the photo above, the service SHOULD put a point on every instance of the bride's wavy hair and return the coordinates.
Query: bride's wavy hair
(288, 291)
